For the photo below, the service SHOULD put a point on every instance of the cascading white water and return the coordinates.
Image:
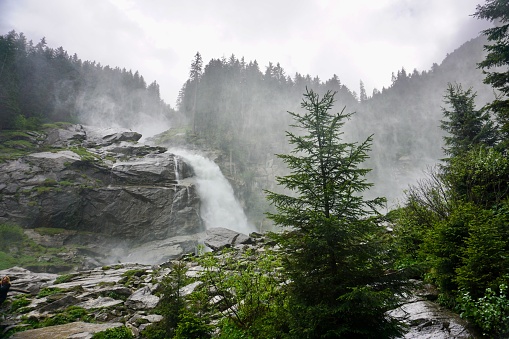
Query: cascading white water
(176, 167)
(219, 208)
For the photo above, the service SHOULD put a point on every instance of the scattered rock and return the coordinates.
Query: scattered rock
(218, 238)
(142, 299)
(67, 331)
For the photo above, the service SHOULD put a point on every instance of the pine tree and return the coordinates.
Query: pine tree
(467, 126)
(497, 60)
(363, 96)
(334, 250)
(194, 79)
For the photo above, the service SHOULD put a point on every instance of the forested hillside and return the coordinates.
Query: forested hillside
(341, 261)
(242, 109)
(238, 106)
(42, 84)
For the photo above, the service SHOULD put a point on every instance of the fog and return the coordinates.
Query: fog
(362, 39)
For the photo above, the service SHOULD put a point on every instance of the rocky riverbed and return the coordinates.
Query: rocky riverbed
(126, 294)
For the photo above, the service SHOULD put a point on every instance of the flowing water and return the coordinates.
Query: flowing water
(219, 207)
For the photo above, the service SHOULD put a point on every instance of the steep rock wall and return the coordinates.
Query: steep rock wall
(101, 183)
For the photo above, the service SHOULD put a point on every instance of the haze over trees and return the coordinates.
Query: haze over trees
(451, 228)
(42, 84)
(239, 101)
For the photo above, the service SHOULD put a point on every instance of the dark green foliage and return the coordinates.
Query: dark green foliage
(251, 293)
(496, 61)
(64, 278)
(238, 295)
(484, 258)
(172, 304)
(42, 84)
(68, 315)
(114, 333)
(466, 126)
(191, 326)
(19, 303)
(489, 312)
(47, 291)
(443, 247)
(480, 176)
(336, 254)
(10, 235)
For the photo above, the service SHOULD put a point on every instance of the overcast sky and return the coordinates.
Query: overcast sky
(356, 39)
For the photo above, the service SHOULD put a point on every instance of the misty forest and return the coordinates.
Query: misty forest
(337, 205)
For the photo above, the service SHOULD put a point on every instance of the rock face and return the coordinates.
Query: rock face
(101, 187)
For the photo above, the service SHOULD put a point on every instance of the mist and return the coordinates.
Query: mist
(241, 109)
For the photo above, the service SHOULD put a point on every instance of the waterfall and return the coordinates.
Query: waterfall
(176, 168)
(219, 208)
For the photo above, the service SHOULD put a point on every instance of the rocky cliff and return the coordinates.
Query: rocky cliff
(100, 190)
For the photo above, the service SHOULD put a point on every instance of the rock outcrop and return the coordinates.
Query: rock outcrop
(103, 190)
(219, 238)
(126, 295)
(112, 296)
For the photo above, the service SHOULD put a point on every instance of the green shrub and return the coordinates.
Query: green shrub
(70, 314)
(190, 326)
(18, 303)
(154, 331)
(10, 235)
(444, 246)
(20, 122)
(47, 291)
(7, 261)
(84, 154)
(484, 256)
(64, 278)
(490, 312)
(114, 333)
(19, 144)
(253, 300)
(480, 176)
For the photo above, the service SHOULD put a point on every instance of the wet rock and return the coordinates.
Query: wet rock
(133, 190)
(100, 302)
(22, 278)
(142, 299)
(188, 289)
(160, 251)
(218, 238)
(72, 330)
(59, 304)
(427, 319)
(65, 135)
(152, 169)
(102, 291)
(108, 136)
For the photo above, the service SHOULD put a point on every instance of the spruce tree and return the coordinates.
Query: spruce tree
(467, 127)
(496, 63)
(334, 245)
